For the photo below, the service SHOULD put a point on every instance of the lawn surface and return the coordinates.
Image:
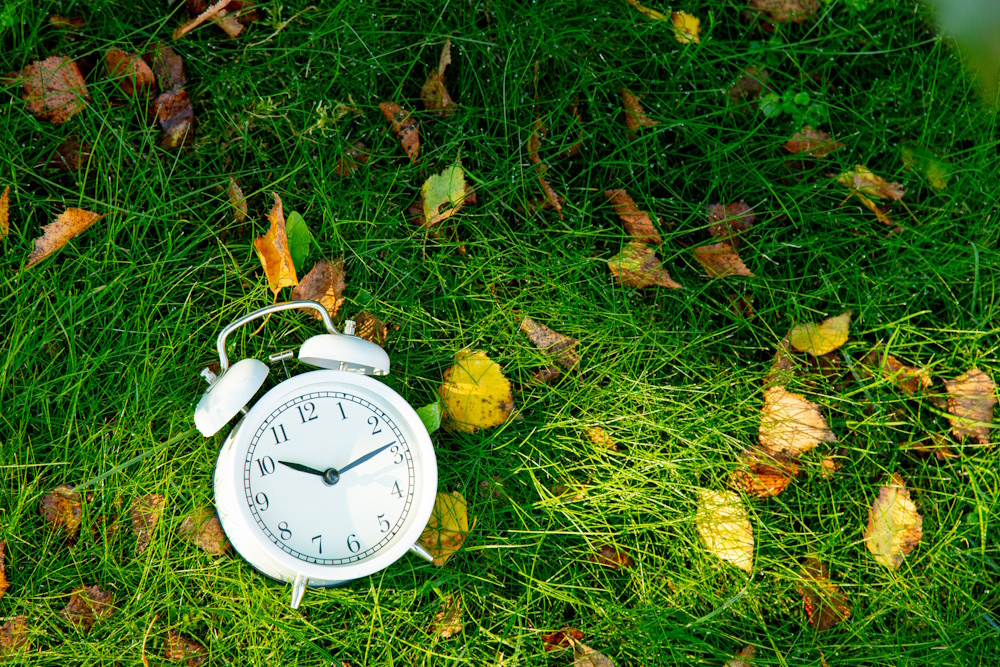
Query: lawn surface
(101, 346)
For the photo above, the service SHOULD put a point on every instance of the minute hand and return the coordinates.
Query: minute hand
(359, 461)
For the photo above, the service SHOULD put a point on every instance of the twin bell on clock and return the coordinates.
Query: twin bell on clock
(330, 475)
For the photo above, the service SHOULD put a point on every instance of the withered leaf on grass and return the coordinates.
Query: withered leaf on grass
(133, 75)
(724, 527)
(61, 22)
(822, 338)
(751, 84)
(475, 393)
(791, 424)
(934, 444)
(237, 200)
(743, 657)
(145, 514)
(355, 155)
(4, 584)
(218, 14)
(638, 225)
(5, 213)
(272, 250)
(371, 328)
(825, 604)
(727, 222)
(894, 525)
(813, 142)
(176, 117)
(202, 529)
(721, 260)
(971, 397)
(560, 639)
(865, 181)
(443, 194)
(562, 348)
(70, 155)
(447, 528)
(406, 129)
(434, 94)
(61, 510)
(762, 479)
(928, 162)
(584, 656)
(909, 379)
(54, 89)
(87, 605)
(56, 234)
(448, 621)
(325, 284)
(550, 194)
(612, 557)
(635, 115)
(601, 438)
(179, 648)
(786, 11)
(638, 266)
(167, 65)
(14, 635)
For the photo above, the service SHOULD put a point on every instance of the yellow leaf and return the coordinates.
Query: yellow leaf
(447, 528)
(475, 393)
(819, 339)
(5, 213)
(638, 266)
(56, 234)
(724, 527)
(894, 526)
(647, 12)
(686, 27)
(929, 162)
(272, 249)
(865, 181)
(446, 189)
(791, 424)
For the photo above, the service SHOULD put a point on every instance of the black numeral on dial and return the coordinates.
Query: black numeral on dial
(279, 434)
(373, 422)
(396, 490)
(261, 500)
(399, 455)
(266, 465)
(383, 524)
(319, 538)
(283, 530)
(352, 543)
(343, 415)
(307, 412)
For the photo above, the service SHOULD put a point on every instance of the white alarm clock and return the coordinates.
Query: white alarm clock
(330, 475)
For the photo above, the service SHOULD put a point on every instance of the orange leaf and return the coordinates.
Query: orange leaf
(178, 648)
(4, 584)
(825, 605)
(971, 398)
(812, 142)
(5, 213)
(56, 234)
(635, 115)
(560, 639)
(638, 266)
(132, 74)
(638, 225)
(406, 129)
(272, 249)
(325, 284)
(721, 260)
(61, 510)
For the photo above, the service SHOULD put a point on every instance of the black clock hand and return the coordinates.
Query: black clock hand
(302, 468)
(364, 458)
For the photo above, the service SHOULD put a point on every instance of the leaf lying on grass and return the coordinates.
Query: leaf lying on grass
(721, 260)
(145, 514)
(88, 605)
(132, 74)
(749, 87)
(433, 93)
(178, 648)
(635, 115)
(584, 656)
(638, 266)
(406, 129)
(865, 181)
(791, 424)
(647, 12)
(448, 621)
(894, 526)
(272, 250)
(167, 66)
(724, 527)
(560, 639)
(237, 200)
(908, 378)
(62, 511)
(443, 194)
(743, 657)
(371, 328)
(638, 225)
(612, 557)
(812, 142)
(355, 155)
(971, 397)
(447, 528)
(4, 584)
(475, 393)
(928, 162)
(560, 347)
(601, 438)
(825, 604)
(218, 14)
(14, 635)
(727, 222)
(822, 338)
(202, 529)
(762, 479)
(686, 27)
(786, 11)
(70, 155)
(325, 283)
(54, 89)
(56, 234)
(5, 213)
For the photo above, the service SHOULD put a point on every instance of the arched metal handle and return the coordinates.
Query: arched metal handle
(220, 342)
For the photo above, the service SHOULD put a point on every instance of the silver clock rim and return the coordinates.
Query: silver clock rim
(264, 556)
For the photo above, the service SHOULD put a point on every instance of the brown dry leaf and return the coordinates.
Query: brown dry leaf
(406, 129)
(934, 444)
(638, 225)
(638, 266)
(562, 348)
(56, 234)
(615, 558)
(894, 526)
(475, 393)
(70, 155)
(448, 621)
(550, 194)
(584, 656)
(60, 22)
(724, 527)
(212, 12)
(168, 67)
(4, 584)
(763, 480)
(791, 424)
(782, 365)
(538, 131)
(863, 180)
(822, 338)
(14, 635)
(61, 510)
(176, 117)
(908, 378)
(133, 75)
(447, 528)
(971, 397)
(202, 528)
(743, 657)
(827, 467)
(272, 250)
(178, 648)
(54, 89)
(237, 199)
(741, 306)
(434, 94)
(727, 222)
(371, 328)
(601, 438)
(145, 513)
(355, 155)
(635, 116)
(87, 605)
(825, 605)
(786, 11)
(560, 639)
(325, 284)
(753, 83)
(5, 213)
(721, 260)
(812, 142)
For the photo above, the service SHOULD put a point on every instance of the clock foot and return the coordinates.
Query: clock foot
(423, 553)
(298, 590)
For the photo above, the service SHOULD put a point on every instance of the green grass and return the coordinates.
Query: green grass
(100, 347)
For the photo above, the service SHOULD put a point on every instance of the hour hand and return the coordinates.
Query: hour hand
(302, 468)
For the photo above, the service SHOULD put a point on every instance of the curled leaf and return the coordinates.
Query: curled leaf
(550, 194)
(724, 527)
(178, 648)
(825, 604)
(272, 250)
(475, 393)
(325, 284)
(88, 605)
(638, 266)
(791, 424)
(721, 260)
(894, 525)
(434, 94)
(448, 620)
(822, 338)
(5, 213)
(447, 528)
(133, 75)
(686, 27)
(562, 348)
(971, 397)
(54, 89)
(786, 11)
(865, 181)
(211, 13)
(638, 225)
(202, 529)
(61, 510)
(406, 129)
(635, 115)
(145, 514)
(812, 142)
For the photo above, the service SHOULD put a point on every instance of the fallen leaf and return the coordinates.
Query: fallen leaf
(601, 438)
(447, 528)
(638, 225)
(751, 84)
(70, 155)
(56, 234)
(935, 444)
(791, 424)
(210, 13)
(550, 194)
(929, 162)
(61, 510)
(647, 12)
(635, 116)
(894, 526)
(5, 213)
(406, 129)
(167, 66)
(971, 397)
(825, 605)
(202, 529)
(54, 89)
(475, 393)
(237, 199)
(133, 75)
(371, 328)
(724, 526)
(325, 284)
(448, 622)
(741, 306)
(547, 375)
(786, 11)
(535, 139)
(827, 467)
(434, 94)
(87, 605)
(176, 117)
(145, 513)
(867, 183)
(560, 639)
(822, 338)
(272, 250)
(178, 648)
(686, 27)
(300, 239)
(782, 365)
(762, 480)
(882, 215)
(4, 584)
(571, 492)
(355, 155)
(743, 657)
(727, 222)
(562, 348)
(909, 379)
(721, 260)
(638, 266)
(615, 558)
(74, 23)
(812, 142)
(584, 656)
(447, 190)
(14, 635)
